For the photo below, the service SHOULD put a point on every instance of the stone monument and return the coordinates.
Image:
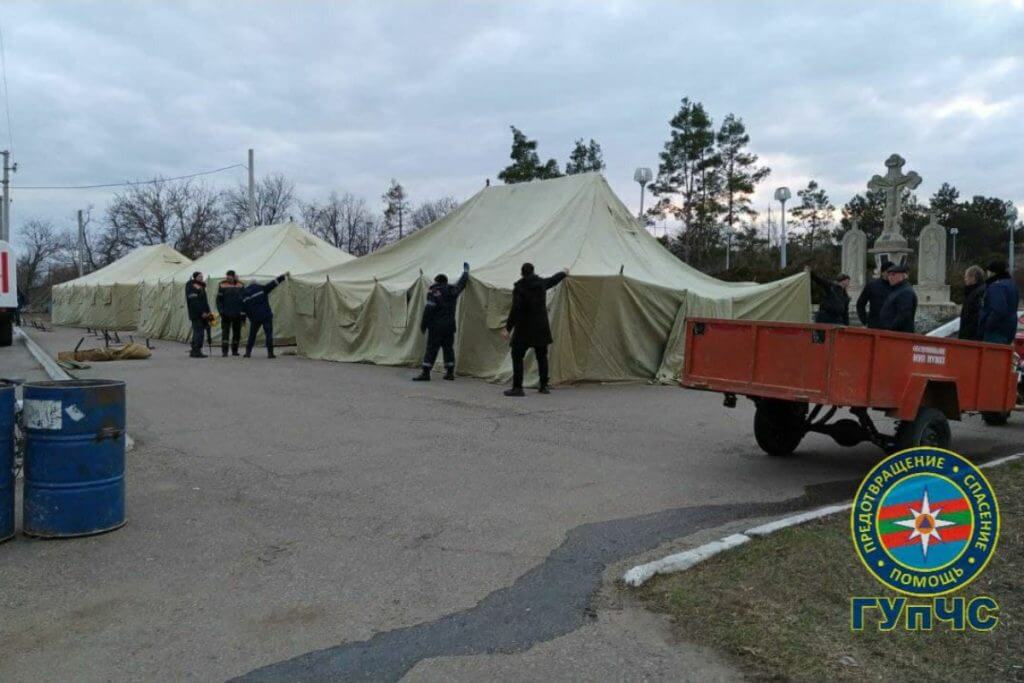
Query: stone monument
(891, 245)
(854, 258)
(931, 264)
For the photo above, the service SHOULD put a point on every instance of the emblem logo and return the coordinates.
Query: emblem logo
(925, 522)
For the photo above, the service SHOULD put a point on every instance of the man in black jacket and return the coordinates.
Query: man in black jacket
(900, 307)
(872, 297)
(439, 323)
(229, 305)
(834, 308)
(970, 311)
(528, 325)
(256, 306)
(198, 312)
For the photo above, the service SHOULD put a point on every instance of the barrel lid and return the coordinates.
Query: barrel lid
(75, 383)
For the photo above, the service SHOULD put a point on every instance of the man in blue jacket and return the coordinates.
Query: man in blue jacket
(997, 322)
(439, 323)
(900, 307)
(256, 305)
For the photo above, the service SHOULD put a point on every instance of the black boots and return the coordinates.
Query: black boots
(224, 350)
(543, 389)
(197, 354)
(424, 376)
(449, 374)
(514, 391)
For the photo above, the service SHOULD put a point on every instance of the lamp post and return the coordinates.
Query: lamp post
(954, 232)
(782, 194)
(643, 176)
(1011, 220)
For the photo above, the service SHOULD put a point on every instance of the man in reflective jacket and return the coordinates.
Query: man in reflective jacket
(229, 305)
(256, 306)
(439, 324)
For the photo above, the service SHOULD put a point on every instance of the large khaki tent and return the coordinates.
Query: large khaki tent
(619, 316)
(256, 255)
(110, 298)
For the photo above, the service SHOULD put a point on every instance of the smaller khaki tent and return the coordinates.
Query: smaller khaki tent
(257, 255)
(110, 298)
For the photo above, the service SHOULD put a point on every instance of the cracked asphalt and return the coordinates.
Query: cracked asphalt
(292, 519)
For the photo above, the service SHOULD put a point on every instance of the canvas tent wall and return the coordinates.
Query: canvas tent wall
(618, 316)
(256, 255)
(110, 298)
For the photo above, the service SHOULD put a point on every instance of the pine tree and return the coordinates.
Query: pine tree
(585, 158)
(688, 180)
(395, 207)
(526, 164)
(814, 213)
(739, 172)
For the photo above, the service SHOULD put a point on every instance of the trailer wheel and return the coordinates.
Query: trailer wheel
(996, 419)
(780, 426)
(929, 428)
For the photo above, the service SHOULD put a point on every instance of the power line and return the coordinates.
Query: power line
(127, 182)
(7, 94)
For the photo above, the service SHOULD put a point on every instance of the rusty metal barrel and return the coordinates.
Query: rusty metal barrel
(6, 461)
(74, 457)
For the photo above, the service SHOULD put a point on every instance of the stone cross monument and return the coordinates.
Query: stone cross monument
(931, 263)
(891, 245)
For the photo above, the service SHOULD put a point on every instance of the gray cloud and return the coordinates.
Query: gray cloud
(347, 95)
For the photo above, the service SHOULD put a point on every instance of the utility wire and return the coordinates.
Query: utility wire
(7, 94)
(127, 182)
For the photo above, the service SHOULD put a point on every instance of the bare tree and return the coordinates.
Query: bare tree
(432, 211)
(342, 221)
(275, 195)
(185, 215)
(40, 245)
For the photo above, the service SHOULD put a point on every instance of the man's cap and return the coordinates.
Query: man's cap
(899, 268)
(231, 273)
(886, 266)
(842, 276)
(997, 266)
(441, 278)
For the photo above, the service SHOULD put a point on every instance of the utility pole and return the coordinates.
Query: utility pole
(5, 213)
(81, 245)
(252, 190)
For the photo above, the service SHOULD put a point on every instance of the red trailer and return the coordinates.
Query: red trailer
(785, 368)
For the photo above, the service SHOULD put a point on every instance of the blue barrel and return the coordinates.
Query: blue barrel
(6, 461)
(74, 457)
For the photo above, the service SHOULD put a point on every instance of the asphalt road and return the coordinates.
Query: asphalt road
(295, 520)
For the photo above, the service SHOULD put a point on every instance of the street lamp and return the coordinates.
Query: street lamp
(954, 232)
(643, 176)
(781, 195)
(1011, 220)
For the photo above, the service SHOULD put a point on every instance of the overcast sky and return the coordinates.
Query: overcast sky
(346, 95)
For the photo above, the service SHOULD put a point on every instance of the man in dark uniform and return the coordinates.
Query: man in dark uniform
(997, 322)
(970, 311)
(900, 307)
(229, 305)
(874, 294)
(256, 306)
(834, 308)
(528, 325)
(439, 323)
(198, 312)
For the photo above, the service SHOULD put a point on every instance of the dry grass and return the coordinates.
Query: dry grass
(780, 606)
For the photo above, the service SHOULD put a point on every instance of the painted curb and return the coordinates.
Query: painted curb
(55, 371)
(641, 574)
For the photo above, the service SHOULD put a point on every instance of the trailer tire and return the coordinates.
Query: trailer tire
(780, 426)
(929, 428)
(996, 419)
